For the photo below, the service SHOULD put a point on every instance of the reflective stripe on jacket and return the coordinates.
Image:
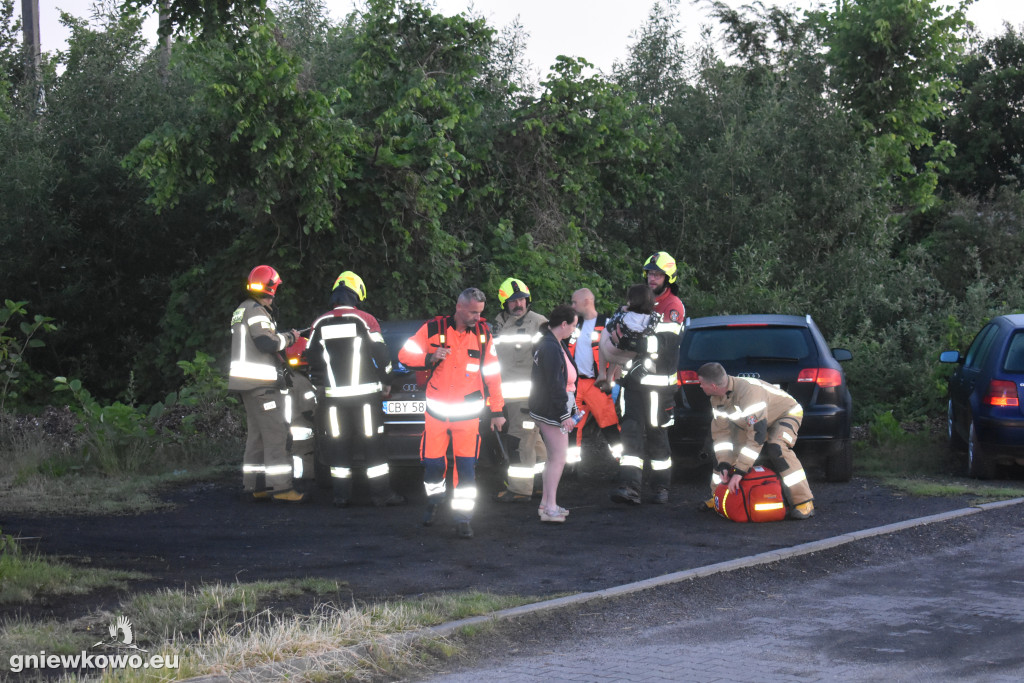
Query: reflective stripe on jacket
(466, 384)
(251, 368)
(347, 355)
(513, 341)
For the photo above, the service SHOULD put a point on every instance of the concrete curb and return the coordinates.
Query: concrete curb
(708, 570)
(278, 671)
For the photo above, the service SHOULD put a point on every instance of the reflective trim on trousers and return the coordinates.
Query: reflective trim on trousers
(573, 455)
(616, 450)
(253, 469)
(654, 409)
(632, 461)
(520, 472)
(434, 488)
(297, 466)
(341, 472)
(367, 420)
(794, 478)
(377, 471)
(661, 465)
(464, 498)
(274, 470)
(723, 446)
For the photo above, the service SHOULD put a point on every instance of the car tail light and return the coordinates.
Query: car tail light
(823, 377)
(1002, 393)
(688, 377)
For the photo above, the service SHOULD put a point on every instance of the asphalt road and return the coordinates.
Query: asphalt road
(941, 602)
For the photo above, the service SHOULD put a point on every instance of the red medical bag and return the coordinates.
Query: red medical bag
(759, 498)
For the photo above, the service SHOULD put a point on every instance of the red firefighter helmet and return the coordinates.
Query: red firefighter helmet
(263, 281)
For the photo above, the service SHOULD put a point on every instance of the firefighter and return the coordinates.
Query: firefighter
(749, 419)
(350, 365)
(516, 330)
(258, 371)
(464, 386)
(648, 387)
(597, 404)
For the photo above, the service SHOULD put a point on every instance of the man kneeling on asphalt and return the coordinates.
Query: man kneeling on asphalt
(750, 418)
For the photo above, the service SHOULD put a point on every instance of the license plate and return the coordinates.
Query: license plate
(405, 407)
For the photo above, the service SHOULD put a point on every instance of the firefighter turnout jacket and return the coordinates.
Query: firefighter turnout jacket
(347, 355)
(256, 347)
(514, 338)
(755, 418)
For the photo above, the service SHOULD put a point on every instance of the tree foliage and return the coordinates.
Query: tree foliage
(777, 165)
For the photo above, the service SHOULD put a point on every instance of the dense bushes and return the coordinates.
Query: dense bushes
(414, 149)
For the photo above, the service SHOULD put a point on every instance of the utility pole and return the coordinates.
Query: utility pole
(33, 50)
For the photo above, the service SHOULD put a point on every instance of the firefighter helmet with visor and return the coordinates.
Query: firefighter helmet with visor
(263, 281)
(662, 261)
(511, 289)
(353, 282)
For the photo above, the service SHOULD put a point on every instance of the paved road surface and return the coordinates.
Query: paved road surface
(941, 603)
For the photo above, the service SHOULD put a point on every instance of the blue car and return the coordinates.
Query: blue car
(984, 410)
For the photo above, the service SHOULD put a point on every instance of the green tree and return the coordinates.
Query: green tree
(891, 63)
(986, 121)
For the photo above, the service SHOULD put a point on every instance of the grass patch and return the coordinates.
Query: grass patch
(24, 578)
(981, 492)
(918, 461)
(219, 629)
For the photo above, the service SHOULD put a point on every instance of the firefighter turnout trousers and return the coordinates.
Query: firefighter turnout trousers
(646, 414)
(300, 408)
(266, 464)
(526, 450)
(347, 432)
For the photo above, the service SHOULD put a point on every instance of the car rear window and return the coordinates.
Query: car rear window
(1015, 354)
(736, 343)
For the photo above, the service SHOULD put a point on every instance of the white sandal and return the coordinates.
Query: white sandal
(561, 510)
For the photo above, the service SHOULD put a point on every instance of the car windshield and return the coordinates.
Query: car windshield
(1015, 354)
(747, 343)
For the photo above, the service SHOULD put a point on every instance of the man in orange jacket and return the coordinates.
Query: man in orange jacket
(464, 386)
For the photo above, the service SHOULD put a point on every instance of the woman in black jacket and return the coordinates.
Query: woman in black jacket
(553, 402)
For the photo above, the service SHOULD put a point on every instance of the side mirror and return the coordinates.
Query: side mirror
(841, 355)
(949, 357)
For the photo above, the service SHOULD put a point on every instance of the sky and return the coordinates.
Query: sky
(598, 30)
